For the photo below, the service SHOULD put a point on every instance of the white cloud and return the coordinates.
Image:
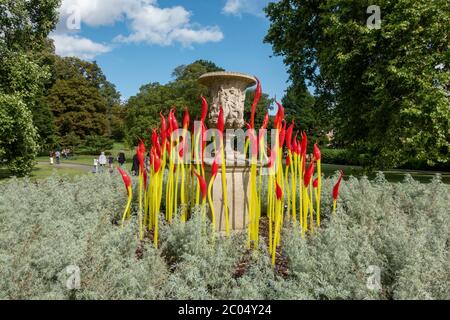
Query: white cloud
(96, 13)
(72, 45)
(148, 23)
(233, 6)
(188, 36)
(237, 7)
(168, 25)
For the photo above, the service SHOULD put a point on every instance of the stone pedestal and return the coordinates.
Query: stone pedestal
(238, 192)
(227, 90)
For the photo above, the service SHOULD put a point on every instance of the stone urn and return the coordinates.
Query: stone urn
(227, 89)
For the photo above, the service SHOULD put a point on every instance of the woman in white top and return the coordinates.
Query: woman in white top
(102, 161)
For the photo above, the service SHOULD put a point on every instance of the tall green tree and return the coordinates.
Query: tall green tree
(43, 118)
(261, 109)
(387, 87)
(78, 108)
(24, 26)
(84, 103)
(183, 92)
(308, 113)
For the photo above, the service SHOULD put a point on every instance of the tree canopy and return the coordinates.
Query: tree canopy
(24, 26)
(82, 101)
(387, 88)
(183, 92)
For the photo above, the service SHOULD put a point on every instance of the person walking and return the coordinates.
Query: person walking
(121, 158)
(102, 161)
(147, 162)
(135, 166)
(95, 168)
(58, 156)
(110, 161)
(51, 157)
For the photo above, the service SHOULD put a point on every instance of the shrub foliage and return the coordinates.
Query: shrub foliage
(403, 229)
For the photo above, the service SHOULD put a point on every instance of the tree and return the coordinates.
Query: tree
(78, 108)
(18, 135)
(186, 89)
(117, 117)
(24, 26)
(183, 92)
(385, 87)
(43, 118)
(261, 109)
(83, 102)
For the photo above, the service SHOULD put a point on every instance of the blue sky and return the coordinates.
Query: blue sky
(140, 41)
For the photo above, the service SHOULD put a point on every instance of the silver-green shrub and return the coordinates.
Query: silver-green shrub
(48, 226)
(401, 229)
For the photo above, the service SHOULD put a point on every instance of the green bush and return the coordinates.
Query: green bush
(18, 136)
(403, 229)
(341, 156)
(94, 145)
(346, 157)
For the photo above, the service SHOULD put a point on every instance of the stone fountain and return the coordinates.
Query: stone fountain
(227, 89)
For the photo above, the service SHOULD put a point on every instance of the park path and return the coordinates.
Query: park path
(83, 167)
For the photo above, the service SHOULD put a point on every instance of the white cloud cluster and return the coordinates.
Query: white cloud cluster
(237, 7)
(148, 23)
(233, 6)
(165, 26)
(69, 46)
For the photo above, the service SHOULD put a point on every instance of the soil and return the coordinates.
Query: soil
(281, 261)
(148, 238)
(243, 265)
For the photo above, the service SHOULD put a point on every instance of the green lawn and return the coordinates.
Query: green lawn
(89, 159)
(44, 169)
(84, 162)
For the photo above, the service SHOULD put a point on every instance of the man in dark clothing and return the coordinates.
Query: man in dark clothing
(121, 158)
(135, 167)
(110, 162)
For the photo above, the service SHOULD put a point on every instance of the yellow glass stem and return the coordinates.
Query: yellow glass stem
(197, 159)
(311, 216)
(177, 178)
(301, 206)
(287, 188)
(211, 204)
(319, 186)
(224, 188)
(155, 234)
(183, 199)
(269, 207)
(127, 207)
(293, 185)
(141, 230)
(305, 211)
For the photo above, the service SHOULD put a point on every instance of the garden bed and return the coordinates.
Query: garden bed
(403, 229)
